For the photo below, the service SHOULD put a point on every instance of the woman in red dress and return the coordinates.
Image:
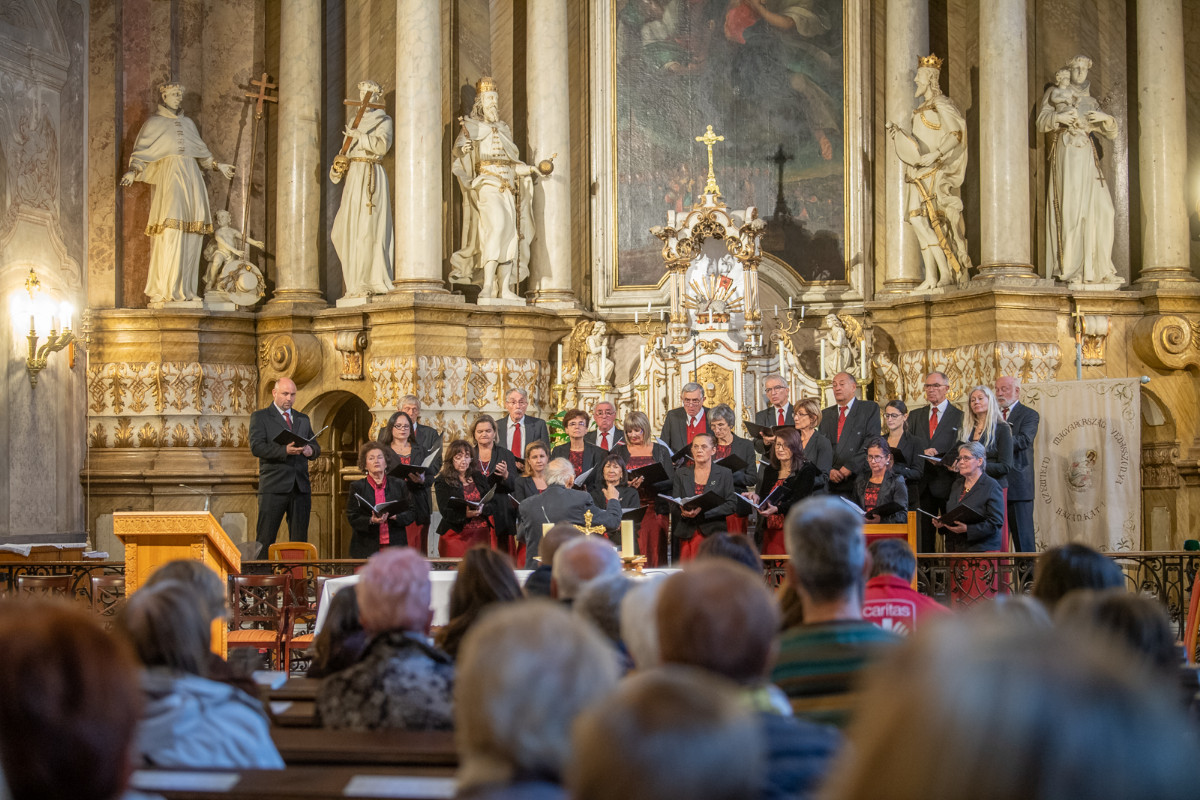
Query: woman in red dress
(461, 482)
(583, 455)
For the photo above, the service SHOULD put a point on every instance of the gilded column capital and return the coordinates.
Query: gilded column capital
(1168, 341)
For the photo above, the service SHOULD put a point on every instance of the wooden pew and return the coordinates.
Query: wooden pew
(301, 783)
(326, 746)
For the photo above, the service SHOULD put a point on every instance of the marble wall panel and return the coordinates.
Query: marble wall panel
(1191, 44)
(104, 61)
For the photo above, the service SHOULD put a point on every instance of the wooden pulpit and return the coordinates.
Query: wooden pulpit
(152, 538)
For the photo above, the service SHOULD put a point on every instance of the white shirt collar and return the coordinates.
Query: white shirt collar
(849, 405)
(282, 412)
(941, 407)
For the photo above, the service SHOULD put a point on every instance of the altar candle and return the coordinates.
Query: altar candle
(777, 309)
(822, 359)
(627, 539)
(642, 362)
(782, 367)
(603, 361)
(789, 304)
(802, 313)
(862, 358)
(559, 380)
(635, 318)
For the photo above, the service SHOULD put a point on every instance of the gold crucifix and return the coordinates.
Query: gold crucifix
(588, 527)
(261, 95)
(709, 139)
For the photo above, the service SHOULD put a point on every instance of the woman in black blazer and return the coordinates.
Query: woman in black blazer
(612, 479)
(701, 477)
(639, 450)
(817, 448)
(462, 479)
(498, 464)
(984, 423)
(787, 472)
(533, 480)
(399, 438)
(881, 486)
(583, 455)
(981, 492)
(371, 531)
(721, 420)
(895, 423)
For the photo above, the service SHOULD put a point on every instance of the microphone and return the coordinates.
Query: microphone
(206, 495)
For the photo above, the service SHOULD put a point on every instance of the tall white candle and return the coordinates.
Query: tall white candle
(822, 359)
(862, 359)
(559, 378)
(781, 364)
(789, 304)
(777, 309)
(627, 539)
(603, 361)
(642, 362)
(635, 318)
(802, 313)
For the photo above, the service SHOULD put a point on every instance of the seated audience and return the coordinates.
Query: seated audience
(639, 631)
(667, 733)
(538, 582)
(579, 561)
(342, 640)
(1063, 569)
(733, 547)
(970, 708)
(189, 720)
(69, 704)
(819, 660)
(525, 671)
(599, 602)
(402, 681)
(1019, 608)
(890, 601)
(484, 578)
(560, 503)
(716, 616)
(1130, 620)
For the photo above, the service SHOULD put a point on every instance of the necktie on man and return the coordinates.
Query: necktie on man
(782, 419)
(516, 442)
(1005, 415)
(287, 418)
(841, 421)
(932, 421)
(604, 440)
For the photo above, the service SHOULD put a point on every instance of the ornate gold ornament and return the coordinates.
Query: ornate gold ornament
(931, 61)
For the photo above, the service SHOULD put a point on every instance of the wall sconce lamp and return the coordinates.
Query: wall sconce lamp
(40, 307)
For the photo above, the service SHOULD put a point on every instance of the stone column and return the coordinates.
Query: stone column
(298, 165)
(1004, 244)
(419, 157)
(1162, 142)
(907, 40)
(549, 131)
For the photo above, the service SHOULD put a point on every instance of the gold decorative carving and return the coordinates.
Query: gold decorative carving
(1159, 470)
(351, 345)
(123, 435)
(293, 355)
(977, 365)
(718, 385)
(1168, 341)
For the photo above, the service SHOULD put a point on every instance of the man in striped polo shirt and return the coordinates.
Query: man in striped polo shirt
(819, 660)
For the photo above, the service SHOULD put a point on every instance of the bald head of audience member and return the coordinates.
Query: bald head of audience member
(718, 616)
(670, 732)
(579, 561)
(559, 534)
(827, 557)
(394, 592)
(507, 725)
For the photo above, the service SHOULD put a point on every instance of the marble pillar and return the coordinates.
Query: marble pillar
(1162, 141)
(907, 40)
(298, 164)
(1005, 242)
(419, 158)
(549, 130)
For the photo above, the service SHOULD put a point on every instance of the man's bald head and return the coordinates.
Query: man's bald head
(579, 561)
(559, 534)
(284, 393)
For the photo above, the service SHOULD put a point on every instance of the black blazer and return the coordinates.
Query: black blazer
(365, 540)
(525, 488)
(674, 429)
(768, 416)
(936, 479)
(744, 449)
(663, 456)
(720, 480)
(428, 438)
(981, 537)
(627, 496)
(592, 456)
(454, 516)
(820, 452)
(535, 430)
(420, 492)
(892, 490)
(850, 451)
(999, 454)
(616, 437)
(770, 474)
(560, 504)
(279, 473)
(1024, 422)
(913, 467)
(504, 514)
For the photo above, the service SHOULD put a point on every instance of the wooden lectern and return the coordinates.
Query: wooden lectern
(152, 538)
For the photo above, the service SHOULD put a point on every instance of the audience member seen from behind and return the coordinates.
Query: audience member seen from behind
(342, 640)
(1134, 621)
(189, 720)
(639, 630)
(820, 659)
(484, 577)
(890, 601)
(69, 704)
(718, 617)
(974, 707)
(667, 733)
(579, 561)
(732, 547)
(402, 681)
(599, 602)
(1063, 569)
(538, 582)
(524, 672)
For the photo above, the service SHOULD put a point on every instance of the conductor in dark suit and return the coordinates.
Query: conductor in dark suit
(283, 486)
(1024, 422)
(848, 425)
(681, 424)
(516, 430)
(935, 428)
(560, 503)
(607, 435)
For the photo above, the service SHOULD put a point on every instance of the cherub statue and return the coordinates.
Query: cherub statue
(224, 248)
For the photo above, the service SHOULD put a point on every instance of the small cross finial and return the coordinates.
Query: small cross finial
(261, 95)
(708, 140)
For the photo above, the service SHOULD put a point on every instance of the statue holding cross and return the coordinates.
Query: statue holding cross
(362, 229)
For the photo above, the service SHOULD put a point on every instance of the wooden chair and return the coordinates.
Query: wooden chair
(43, 585)
(259, 612)
(108, 592)
(304, 619)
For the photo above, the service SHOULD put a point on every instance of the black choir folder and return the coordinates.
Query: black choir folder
(704, 502)
(961, 513)
(885, 510)
(286, 437)
(404, 470)
(653, 473)
(382, 508)
(757, 431)
(733, 463)
(458, 502)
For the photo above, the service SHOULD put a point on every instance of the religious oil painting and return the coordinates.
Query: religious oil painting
(768, 76)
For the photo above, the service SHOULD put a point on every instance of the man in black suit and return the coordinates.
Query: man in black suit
(429, 439)
(516, 430)
(681, 424)
(607, 435)
(779, 410)
(936, 429)
(1024, 423)
(849, 423)
(560, 503)
(283, 486)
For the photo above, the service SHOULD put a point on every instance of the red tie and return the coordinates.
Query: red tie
(287, 417)
(932, 421)
(1006, 415)
(841, 421)
(516, 443)
(604, 440)
(781, 418)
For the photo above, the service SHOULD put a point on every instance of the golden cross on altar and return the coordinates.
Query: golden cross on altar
(587, 526)
(1078, 315)
(261, 95)
(709, 139)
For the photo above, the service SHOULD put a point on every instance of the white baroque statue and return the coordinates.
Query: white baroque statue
(935, 162)
(597, 364)
(362, 229)
(225, 248)
(497, 190)
(169, 155)
(1079, 209)
(836, 348)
